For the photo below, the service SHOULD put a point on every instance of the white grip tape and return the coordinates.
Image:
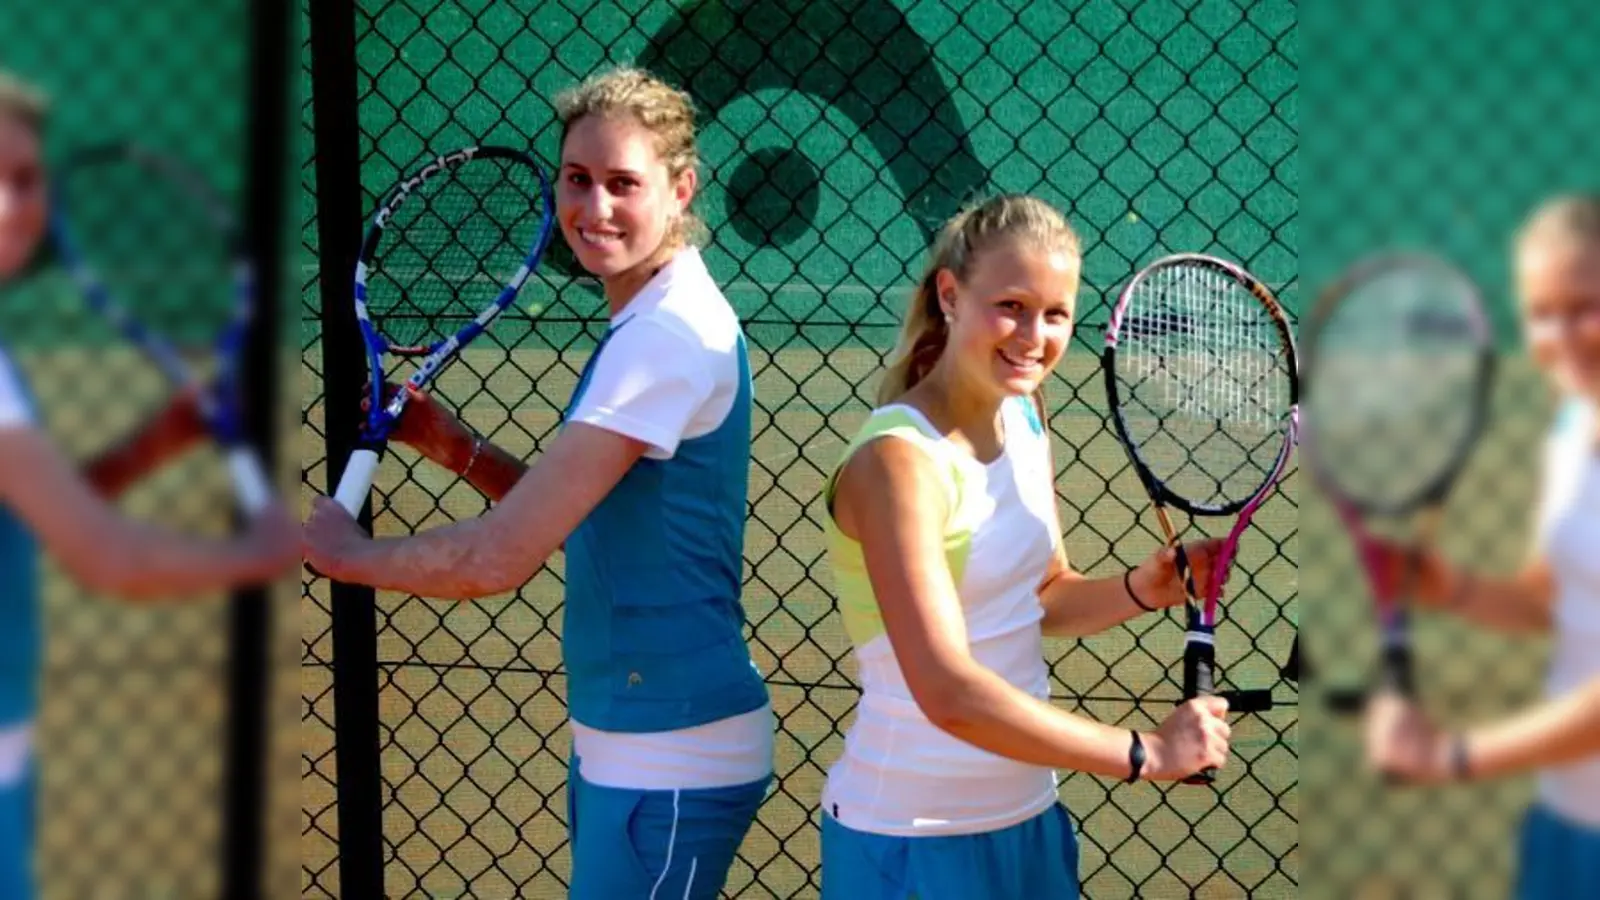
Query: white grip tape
(356, 481)
(249, 480)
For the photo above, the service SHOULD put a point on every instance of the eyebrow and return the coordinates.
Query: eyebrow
(1017, 290)
(580, 166)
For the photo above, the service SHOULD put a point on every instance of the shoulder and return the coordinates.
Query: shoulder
(1028, 411)
(1571, 434)
(692, 306)
(895, 450)
(15, 406)
(1574, 419)
(892, 469)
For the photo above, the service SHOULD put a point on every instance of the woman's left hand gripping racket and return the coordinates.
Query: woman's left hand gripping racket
(1400, 366)
(1204, 391)
(446, 253)
(139, 220)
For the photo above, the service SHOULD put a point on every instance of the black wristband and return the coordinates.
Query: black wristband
(1127, 584)
(1135, 758)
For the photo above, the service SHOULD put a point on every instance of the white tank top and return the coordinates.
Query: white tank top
(1569, 533)
(900, 774)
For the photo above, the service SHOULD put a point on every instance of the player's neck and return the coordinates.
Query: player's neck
(955, 406)
(622, 287)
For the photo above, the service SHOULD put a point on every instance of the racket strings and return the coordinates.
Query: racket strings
(158, 241)
(1397, 366)
(1205, 383)
(450, 248)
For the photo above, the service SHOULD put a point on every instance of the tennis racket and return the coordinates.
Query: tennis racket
(1203, 388)
(444, 255)
(1399, 366)
(157, 252)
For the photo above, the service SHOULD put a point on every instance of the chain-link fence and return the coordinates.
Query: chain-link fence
(133, 740)
(1436, 126)
(836, 137)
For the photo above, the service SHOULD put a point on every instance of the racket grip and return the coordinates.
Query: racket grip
(1199, 680)
(356, 480)
(354, 485)
(1396, 667)
(1199, 668)
(249, 480)
(1396, 677)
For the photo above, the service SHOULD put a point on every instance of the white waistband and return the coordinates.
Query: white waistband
(729, 752)
(16, 752)
(866, 798)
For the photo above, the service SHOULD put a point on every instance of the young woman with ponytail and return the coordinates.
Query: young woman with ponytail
(946, 551)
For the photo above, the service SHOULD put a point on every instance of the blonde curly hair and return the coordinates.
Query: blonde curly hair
(23, 102)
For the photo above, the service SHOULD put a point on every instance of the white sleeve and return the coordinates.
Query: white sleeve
(15, 410)
(648, 384)
(1564, 452)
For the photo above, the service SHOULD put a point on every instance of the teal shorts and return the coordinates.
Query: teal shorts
(652, 845)
(1033, 859)
(1558, 859)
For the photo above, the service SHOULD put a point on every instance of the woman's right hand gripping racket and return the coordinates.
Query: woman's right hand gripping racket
(447, 252)
(1203, 388)
(159, 254)
(1399, 366)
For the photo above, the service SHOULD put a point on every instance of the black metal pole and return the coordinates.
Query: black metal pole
(334, 90)
(249, 613)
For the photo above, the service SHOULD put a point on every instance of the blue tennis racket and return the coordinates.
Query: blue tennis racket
(445, 254)
(144, 222)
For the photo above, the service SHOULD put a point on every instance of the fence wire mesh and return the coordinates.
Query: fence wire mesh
(1438, 127)
(835, 137)
(134, 708)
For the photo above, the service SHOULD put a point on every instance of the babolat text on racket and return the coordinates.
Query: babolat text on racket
(157, 252)
(1399, 368)
(446, 253)
(1203, 386)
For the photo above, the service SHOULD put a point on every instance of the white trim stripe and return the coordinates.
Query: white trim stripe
(689, 885)
(672, 841)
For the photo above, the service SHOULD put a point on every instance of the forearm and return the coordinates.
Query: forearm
(1075, 606)
(127, 462)
(1553, 733)
(1519, 603)
(489, 469)
(140, 562)
(114, 471)
(463, 561)
(499, 551)
(981, 708)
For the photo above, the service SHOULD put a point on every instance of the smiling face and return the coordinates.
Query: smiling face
(618, 201)
(23, 214)
(1558, 281)
(1011, 318)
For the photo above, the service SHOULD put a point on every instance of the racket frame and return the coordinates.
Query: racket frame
(356, 480)
(1199, 653)
(1426, 504)
(218, 401)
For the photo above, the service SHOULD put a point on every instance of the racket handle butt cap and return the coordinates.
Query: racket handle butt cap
(249, 480)
(356, 480)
